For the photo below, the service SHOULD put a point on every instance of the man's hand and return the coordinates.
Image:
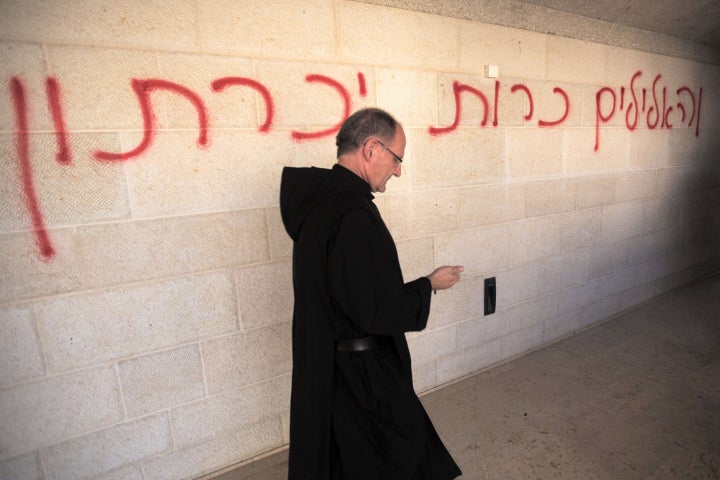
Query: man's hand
(445, 276)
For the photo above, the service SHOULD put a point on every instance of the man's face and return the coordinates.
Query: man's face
(384, 164)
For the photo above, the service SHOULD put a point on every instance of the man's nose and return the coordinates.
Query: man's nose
(398, 169)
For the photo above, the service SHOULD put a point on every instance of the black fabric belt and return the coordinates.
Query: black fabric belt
(360, 344)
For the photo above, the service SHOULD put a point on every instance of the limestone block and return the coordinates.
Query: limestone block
(21, 357)
(555, 105)
(491, 204)
(409, 95)
(108, 450)
(649, 149)
(417, 257)
(654, 269)
(310, 98)
(465, 157)
(480, 249)
(265, 294)
(538, 310)
(637, 296)
(233, 411)
(424, 376)
(25, 273)
(521, 341)
(661, 213)
(575, 298)
(635, 185)
(551, 196)
(433, 344)
(421, 213)
(581, 158)
(243, 359)
(80, 192)
(559, 326)
(322, 153)
(616, 282)
(234, 106)
(581, 228)
(470, 361)
(518, 53)
(595, 191)
(534, 153)
(600, 107)
(239, 170)
(24, 466)
(575, 61)
(521, 283)
(487, 110)
(606, 257)
(366, 34)
(281, 245)
(215, 453)
(25, 62)
(118, 253)
(95, 86)
(624, 63)
(621, 220)
(600, 311)
(476, 332)
(684, 147)
(118, 323)
(461, 302)
(283, 28)
(534, 238)
(566, 270)
(161, 380)
(676, 180)
(651, 245)
(165, 24)
(38, 414)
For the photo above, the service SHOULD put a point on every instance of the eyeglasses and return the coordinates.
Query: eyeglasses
(397, 157)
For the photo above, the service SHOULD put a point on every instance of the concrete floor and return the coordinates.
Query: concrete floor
(637, 397)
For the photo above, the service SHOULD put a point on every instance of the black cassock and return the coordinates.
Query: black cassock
(353, 415)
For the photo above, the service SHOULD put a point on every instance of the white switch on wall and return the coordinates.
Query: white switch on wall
(492, 71)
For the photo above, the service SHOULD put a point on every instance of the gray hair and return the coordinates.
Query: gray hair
(365, 123)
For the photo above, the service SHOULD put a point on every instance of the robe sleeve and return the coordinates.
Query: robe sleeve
(366, 281)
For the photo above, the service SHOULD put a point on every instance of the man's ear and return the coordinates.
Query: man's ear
(368, 151)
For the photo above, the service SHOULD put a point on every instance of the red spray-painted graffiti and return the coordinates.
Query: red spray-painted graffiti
(657, 114)
(142, 89)
(42, 239)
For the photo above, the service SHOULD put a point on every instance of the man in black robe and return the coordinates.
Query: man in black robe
(354, 414)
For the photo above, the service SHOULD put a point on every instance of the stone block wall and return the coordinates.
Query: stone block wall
(145, 276)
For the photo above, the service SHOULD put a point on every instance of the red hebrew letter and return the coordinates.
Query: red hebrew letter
(300, 136)
(525, 89)
(143, 89)
(599, 115)
(221, 83)
(458, 88)
(634, 103)
(17, 90)
(53, 93)
(682, 107)
(543, 123)
(697, 125)
(655, 108)
(362, 84)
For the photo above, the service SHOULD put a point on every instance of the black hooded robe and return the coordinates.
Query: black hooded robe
(353, 415)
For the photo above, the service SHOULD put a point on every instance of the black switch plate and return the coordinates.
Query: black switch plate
(490, 294)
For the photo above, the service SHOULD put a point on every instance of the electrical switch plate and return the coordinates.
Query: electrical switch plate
(490, 295)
